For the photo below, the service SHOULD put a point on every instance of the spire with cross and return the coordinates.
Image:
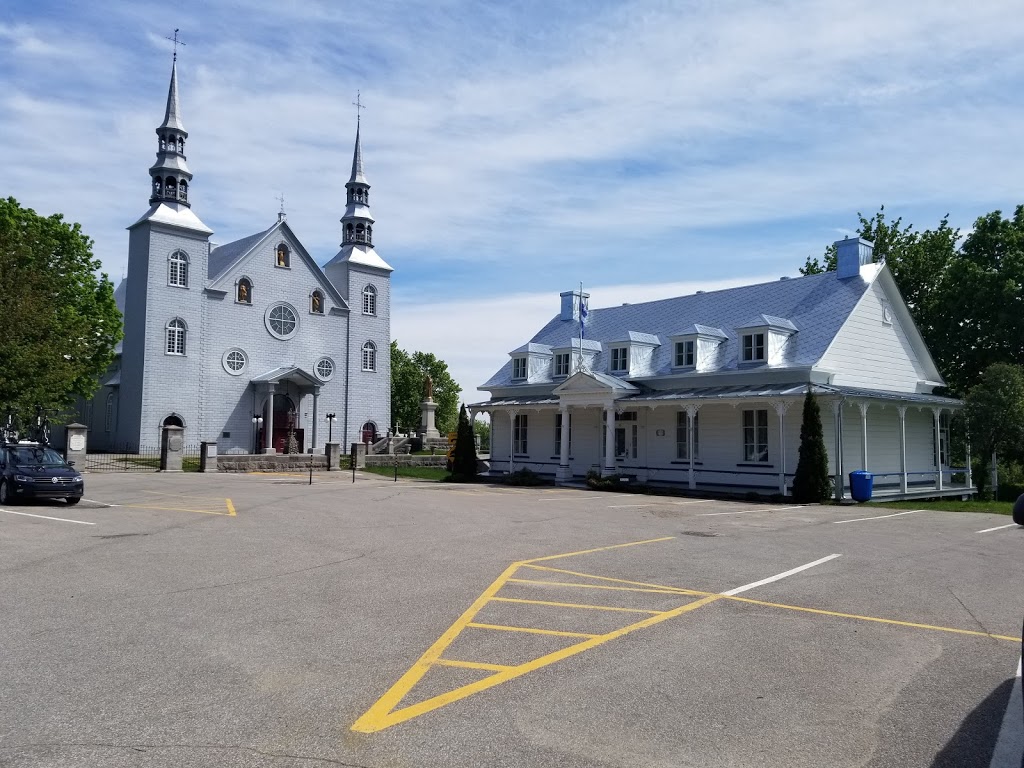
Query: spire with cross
(177, 42)
(358, 104)
(281, 215)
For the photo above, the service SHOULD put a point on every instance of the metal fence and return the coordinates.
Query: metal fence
(134, 459)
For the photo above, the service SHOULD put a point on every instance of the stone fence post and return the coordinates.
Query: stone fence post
(359, 454)
(171, 448)
(333, 456)
(208, 456)
(75, 444)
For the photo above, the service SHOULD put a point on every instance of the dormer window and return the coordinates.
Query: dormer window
(562, 364)
(686, 353)
(620, 359)
(753, 347)
(518, 368)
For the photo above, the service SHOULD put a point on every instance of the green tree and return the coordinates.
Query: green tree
(482, 429)
(811, 484)
(464, 456)
(60, 319)
(408, 373)
(995, 412)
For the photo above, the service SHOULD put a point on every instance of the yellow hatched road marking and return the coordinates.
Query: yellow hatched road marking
(573, 605)
(595, 586)
(229, 509)
(596, 549)
(472, 665)
(675, 590)
(530, 630)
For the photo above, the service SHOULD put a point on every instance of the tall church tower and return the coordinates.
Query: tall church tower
(168, 250)
(364, 279)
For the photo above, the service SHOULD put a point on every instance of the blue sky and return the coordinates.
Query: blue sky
(517, 148)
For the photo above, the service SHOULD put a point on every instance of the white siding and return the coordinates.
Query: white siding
(869, 353)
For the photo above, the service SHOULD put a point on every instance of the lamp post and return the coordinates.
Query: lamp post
(257, 424)
(330, 426)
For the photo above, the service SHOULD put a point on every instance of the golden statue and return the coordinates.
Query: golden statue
(282, 260)
(428, 387)
(316, 302)
(243, 292)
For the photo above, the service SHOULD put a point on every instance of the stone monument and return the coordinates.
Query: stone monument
(427, 409)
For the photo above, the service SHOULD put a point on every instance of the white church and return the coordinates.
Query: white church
(245, 342)
(704, 392)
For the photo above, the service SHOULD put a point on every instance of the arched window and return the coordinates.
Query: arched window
(181, 145)
(369, 233)
(183, 190)
(108, 416)
(369, 356)
(283, 256)
(163, 144)
(349, 230)
(177, 269)
(158, 187)
(369, 300)
(316, 303)
(244, 293)
(170, 187)
(176, 331)
(360, 233)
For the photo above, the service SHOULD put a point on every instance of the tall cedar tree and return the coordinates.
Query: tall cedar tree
(60, 319)
(811, 483)
(464, 455)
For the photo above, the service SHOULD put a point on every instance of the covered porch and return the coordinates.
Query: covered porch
(279, 396)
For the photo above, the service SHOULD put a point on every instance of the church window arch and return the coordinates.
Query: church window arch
(243, 291)
(158, 186)
(183, 190)
(181, 145)
(177, 269)
(316, 302)
(108, 414)
(176, 332)
(163, 144)
(370, 357)
(234, 361)
(360, 233)
(324, 368)
(369, 300)
(369, 233)
(349, 233)
(282, 320)
(283, 256)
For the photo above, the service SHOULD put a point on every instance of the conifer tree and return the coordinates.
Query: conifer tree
(464, 456)
(811, 483)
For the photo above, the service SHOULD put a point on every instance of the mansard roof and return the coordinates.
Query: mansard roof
(817, 305)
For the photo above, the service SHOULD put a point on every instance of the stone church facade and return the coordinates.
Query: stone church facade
(243, 342)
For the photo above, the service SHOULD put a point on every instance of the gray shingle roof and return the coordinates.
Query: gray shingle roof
(816, 305)
(223, 256)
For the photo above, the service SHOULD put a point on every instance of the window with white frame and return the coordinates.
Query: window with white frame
(369, 356)
(282, 320)
(682, 434)
(559, 432)
(324, 368)
(176, 331)
(234, 361)
(369, 300)
(177, 269)
(685, 353)
(753, 347)
(519, 429)
(562, 364)
(518, 368)
(755, 436)
(620, 359)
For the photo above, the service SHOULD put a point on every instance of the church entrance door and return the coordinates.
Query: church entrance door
(286, 416)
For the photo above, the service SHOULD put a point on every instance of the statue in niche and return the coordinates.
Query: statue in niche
(428, 387)
(243, 293)
(316, 302)
(282, 257)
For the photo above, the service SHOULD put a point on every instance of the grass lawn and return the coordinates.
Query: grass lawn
(420, 473)
(949, 505)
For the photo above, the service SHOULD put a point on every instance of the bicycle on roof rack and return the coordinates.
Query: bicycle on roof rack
(39, 432)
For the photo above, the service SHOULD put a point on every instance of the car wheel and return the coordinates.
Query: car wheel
(1018, 510)
(5, 495)
(72, 499)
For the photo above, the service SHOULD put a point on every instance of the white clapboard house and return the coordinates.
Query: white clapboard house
(705, 392)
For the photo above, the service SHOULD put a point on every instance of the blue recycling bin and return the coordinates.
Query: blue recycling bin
(861, 485)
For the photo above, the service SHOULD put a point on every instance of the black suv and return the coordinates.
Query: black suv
(36, 471)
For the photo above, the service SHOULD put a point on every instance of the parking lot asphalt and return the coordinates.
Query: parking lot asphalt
(257, 620)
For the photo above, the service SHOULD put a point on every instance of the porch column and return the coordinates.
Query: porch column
(863, 435)
(564, 472)
(511, 438)
(315, 443)
(691, 417)
(902, 410)
(609, 440)
(938, 450)
(268, 424)
(780, 408)
(837, 412)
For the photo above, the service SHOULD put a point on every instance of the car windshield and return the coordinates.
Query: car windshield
(25, 455)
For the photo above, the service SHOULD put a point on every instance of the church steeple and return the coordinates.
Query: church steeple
(357, 223)
(170, 174)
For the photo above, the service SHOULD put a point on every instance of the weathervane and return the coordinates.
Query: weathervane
(177, 42)
(281, 214)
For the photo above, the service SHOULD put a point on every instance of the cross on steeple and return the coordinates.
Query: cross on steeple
(281, 214)
(359, 106)
(177, 42)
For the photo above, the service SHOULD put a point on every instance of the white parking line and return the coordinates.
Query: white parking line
(1000, 528)
(880, 517)
(743, 512)
(628, 506)
(779, 576)
(1009, 751)
(105, 504)
(45, 517)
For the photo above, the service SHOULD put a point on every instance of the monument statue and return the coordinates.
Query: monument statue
(428, 387)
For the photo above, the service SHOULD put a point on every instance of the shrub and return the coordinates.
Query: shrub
(526, 477)
(811, 484)
(463, 461)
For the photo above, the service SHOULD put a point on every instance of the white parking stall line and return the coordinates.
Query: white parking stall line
(880, 517)
(628, 506)
(105, 504)
(745, 511)
(1009, 751)
(1000, 528)
(779, 576)
(46, 517)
